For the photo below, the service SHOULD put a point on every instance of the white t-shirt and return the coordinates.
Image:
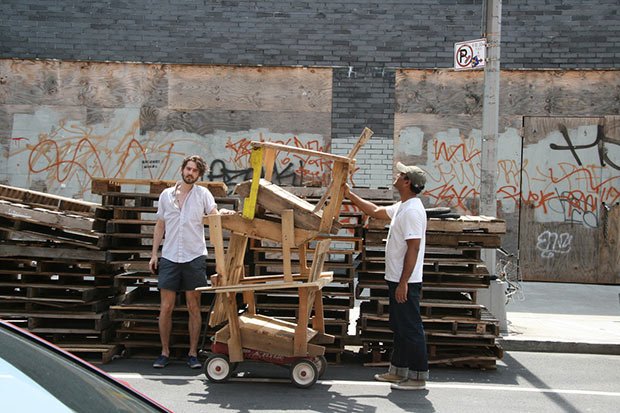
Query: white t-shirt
(184, 238)
(408, 222)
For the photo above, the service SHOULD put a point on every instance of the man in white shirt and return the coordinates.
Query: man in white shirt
(180, 213)
(404, 262)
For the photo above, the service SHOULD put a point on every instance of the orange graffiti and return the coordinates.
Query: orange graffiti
(448, 151)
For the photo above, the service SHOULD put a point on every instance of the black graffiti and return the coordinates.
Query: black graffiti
(600, 141)
(219, 172)
(571, 209)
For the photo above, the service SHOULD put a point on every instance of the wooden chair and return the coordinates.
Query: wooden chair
(297, 222)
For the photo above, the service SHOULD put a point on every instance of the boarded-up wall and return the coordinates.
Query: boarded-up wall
(62, 123)
(558, 153)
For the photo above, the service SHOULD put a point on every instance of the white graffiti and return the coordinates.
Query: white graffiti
(552, 243)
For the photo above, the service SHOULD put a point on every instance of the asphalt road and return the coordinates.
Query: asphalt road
(522, 382)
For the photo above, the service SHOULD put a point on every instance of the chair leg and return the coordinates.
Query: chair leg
(288, 241)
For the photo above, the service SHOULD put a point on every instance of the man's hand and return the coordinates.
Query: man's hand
(225, 211)
(215, 279)
(347, 190)
(401, 292)
(153, 264)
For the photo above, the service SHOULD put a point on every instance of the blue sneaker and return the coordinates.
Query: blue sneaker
(193, 362)
(161, 362)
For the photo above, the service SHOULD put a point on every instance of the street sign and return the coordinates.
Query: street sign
(470, 54)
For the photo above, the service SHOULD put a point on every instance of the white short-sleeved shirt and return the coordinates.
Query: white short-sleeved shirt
(408, 221)
(184, 238)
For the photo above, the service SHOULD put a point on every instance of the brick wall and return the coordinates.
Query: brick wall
(358, 33)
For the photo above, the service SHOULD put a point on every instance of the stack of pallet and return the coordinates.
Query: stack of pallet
(459, 331)
(128, 216)
(53, 276)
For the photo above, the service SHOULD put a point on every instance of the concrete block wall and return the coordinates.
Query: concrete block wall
(374, 160)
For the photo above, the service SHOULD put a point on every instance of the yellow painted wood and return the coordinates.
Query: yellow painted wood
(249, 204)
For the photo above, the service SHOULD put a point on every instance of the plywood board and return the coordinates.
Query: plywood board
(250, 88)
(523, 92)
(209, 121)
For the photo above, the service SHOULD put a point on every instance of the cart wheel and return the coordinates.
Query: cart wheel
(321, 364)
(304, 373)
(217, 368)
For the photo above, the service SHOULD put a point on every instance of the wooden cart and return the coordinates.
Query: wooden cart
(296, 226)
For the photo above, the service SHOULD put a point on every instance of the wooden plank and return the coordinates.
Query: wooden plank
(209, 121)
(234, 341)
(340, 175)
(324, 279)
(113, 85)
(274, 89)
(300, 340)
(20, 212)
(525, 92)
(288, 231)
(262, 229)
(47, 201)
(60, 253)
(217, 239)
(302, 151)
(271, 335)
(103, 185)
(275, 199)
(251, 198)
(467, 223)
(92, 84)
(557, 251)
(537, 128)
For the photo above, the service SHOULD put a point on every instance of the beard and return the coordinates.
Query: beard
(189, 179)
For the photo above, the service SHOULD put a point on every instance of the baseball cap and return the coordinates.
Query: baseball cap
(416, 175)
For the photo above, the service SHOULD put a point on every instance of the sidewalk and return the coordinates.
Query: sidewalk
(564, 318)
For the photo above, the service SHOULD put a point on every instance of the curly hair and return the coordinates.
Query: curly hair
(200, 163)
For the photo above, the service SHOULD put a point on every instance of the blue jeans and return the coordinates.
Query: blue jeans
(409, 352)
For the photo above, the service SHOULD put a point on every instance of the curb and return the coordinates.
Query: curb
(559, 347)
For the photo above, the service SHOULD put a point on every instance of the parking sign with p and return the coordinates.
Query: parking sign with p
(470, 54)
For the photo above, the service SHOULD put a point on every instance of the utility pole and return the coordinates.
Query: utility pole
(494, 297)
(490, 117)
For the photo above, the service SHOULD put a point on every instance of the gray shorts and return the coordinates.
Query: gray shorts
(184, 276)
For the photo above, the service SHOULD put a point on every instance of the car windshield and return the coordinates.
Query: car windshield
(35, 378)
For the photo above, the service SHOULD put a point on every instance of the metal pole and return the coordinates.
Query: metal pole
(490, 118)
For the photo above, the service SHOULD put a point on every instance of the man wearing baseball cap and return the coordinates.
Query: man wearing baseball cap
(404, 261)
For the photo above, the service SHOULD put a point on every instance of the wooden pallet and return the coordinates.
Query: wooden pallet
(52, 218)
(105, 185)
(41, 231)
(92, 352)
(37, 199)
(46, 250)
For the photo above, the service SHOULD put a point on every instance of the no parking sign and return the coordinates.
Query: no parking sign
(470, 54)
